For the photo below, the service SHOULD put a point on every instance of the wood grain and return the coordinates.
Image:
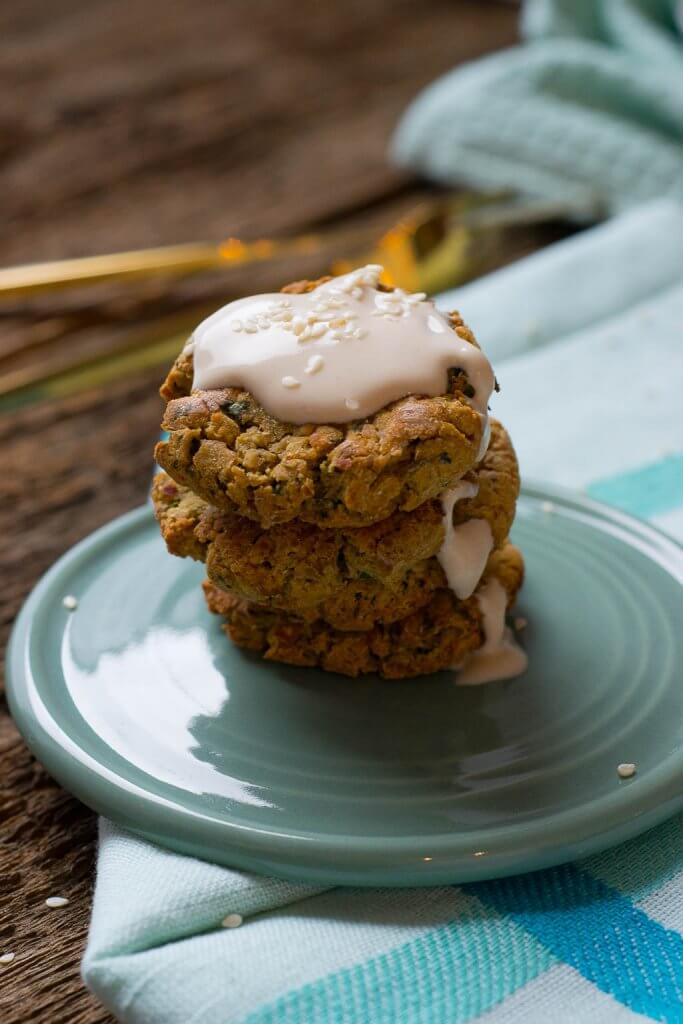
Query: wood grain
(127, 124)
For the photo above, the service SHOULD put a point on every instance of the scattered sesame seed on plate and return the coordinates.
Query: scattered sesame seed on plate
(70, 602)
(56, 901)
(290, 382)
(232, 921)
(626, 770)
(7, 958)
(351, 403)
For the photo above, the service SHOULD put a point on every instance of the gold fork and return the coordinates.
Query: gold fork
(439, 244)
(417, 251)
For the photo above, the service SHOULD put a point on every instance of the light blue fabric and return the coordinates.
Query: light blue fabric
(592, 399)
(588, 113)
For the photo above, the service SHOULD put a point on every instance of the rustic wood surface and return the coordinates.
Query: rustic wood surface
(126, 124)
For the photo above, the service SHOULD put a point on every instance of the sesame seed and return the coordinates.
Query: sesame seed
(318, 330)
(298, 324)
(290, 382)
(626, 770)
(56, 901)
(232, 921)
(351, 403)
(315, 364)
(250, 327)
(6, 958)
(236, 325)
(70, 602)
(547, 506)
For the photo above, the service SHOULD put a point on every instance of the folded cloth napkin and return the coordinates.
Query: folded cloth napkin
(589, 113)
(587, 343)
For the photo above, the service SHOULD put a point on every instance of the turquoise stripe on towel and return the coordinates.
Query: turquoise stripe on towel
(600, 933)
(647, 491)
(449, 975)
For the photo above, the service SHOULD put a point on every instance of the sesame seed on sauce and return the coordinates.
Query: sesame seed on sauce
(314, 365)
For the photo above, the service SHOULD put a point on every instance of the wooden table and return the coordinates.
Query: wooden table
(139, 123)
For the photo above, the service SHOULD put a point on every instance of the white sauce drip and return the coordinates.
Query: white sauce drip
(485, 438)
(466, 548)
(344, 347)
(500, 657)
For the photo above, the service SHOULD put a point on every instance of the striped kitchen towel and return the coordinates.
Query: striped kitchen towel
(588, 112)
(587, 340)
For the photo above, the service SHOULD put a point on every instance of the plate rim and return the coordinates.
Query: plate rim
(308, 856)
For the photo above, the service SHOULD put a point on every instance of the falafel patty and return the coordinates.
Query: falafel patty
(437, 636)
(225, 447)
(350, 578)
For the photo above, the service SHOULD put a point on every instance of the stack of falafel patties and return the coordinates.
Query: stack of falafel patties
(322, 542)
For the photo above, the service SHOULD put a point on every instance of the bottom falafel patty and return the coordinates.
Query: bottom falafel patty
(438, 636)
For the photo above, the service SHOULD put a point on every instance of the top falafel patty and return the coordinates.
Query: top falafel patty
(225, 447)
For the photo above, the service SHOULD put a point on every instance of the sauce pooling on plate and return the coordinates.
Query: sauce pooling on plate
(338, 353)
(500, 656)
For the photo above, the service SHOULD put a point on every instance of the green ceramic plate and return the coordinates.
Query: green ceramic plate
(138, 704)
